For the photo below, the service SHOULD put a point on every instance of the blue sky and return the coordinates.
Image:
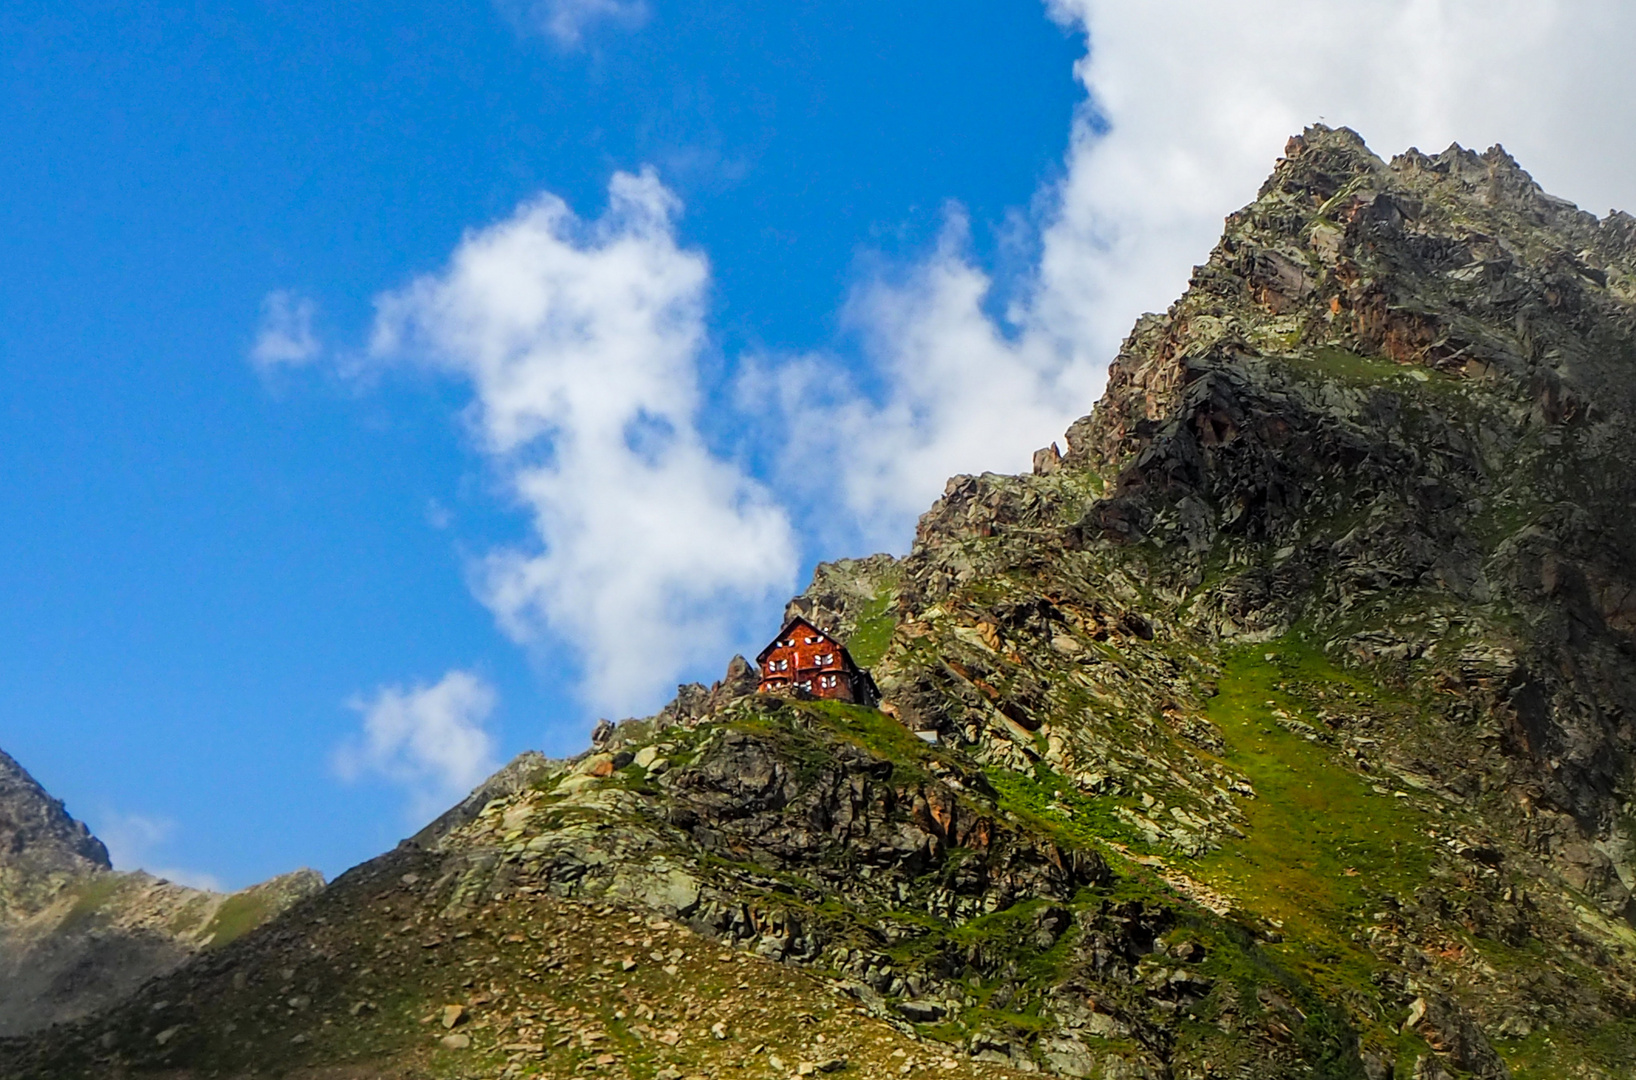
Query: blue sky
(313, 510)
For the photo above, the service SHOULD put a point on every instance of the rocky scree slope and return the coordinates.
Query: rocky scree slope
(1364, 487)
(76, 935)
(1278, 728)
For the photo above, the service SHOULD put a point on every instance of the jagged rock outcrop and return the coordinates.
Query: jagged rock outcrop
(1442, 358)
(36, 830)
(1384, 433)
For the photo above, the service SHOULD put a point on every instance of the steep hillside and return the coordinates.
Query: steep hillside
(75, 935)
(40, 844)
(1280, 728)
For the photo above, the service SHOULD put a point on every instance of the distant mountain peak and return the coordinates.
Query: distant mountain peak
(36, 831)
(77, 935)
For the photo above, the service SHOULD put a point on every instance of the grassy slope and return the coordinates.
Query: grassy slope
(546, 988)
(1324, 845)
(1329, 851)
(1242, 970)
(545, 993)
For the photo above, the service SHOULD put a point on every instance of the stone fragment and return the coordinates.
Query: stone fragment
(1429, 1067)
(452, 1015)
(920, 1012)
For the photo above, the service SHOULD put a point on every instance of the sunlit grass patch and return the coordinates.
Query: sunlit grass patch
(1322, 847)
(873, 633)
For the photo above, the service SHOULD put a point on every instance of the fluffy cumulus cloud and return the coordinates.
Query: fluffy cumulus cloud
(566, 21)
(961, 393)
(285, 337)
(1188, 104)
(431, 740)
(581, 342)
(582, 339)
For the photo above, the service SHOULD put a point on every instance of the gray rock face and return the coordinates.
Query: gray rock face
(37, 832)
(511, 778)
(1443, 356)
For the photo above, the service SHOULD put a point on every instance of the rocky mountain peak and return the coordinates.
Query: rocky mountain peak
(1281, 728)
(36, 831)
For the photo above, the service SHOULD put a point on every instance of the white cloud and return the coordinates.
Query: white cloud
(959, 396)
(1190, 103)
(581, 340)
(429, 739)
(285, 335)
(133, 839)
(566, 21)
(1199, 97)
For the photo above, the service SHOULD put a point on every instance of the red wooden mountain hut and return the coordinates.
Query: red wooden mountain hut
(803, 660)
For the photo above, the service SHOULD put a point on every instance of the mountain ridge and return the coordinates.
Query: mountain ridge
(77, 935)
(1279, 728)
(38, 837)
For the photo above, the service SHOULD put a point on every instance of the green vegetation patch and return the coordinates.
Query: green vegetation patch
(1548, 1054)
(873, 633)
(1360, 370)
(93, 896)
(1321, 847)
(238, 915)
(870, 729)
(1058, 806)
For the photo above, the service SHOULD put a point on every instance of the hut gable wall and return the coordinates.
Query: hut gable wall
(805, 660)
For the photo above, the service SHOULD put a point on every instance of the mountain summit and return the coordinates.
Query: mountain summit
(1282, 727)
(36, 834)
